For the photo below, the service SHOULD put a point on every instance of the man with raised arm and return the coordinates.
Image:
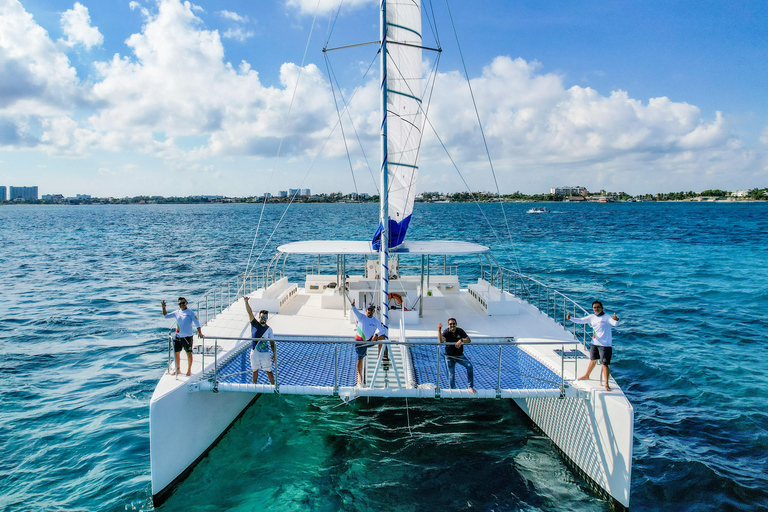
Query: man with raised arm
(261, 359)
(185, 318)
(602, 341)
(455, 338)
(368, 329)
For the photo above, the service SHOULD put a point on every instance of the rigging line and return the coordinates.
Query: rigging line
(280, 145)
(435, 31)
(421, 108)
(426, 113)
(332, 24)
(343, 135)
(349, 115)
(482, 132)
(293, 197)
(474, 198)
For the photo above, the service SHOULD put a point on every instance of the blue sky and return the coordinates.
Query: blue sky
(170, 98)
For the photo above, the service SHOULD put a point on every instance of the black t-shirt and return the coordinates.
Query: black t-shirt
(257, 331)
(451, 338)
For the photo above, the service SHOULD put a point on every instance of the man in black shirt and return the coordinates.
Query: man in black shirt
(455, 338)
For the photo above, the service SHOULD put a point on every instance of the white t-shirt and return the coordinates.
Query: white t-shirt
(366, 327)
(184, 321)
(602, 327)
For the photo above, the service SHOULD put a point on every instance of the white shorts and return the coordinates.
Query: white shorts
(261, 360)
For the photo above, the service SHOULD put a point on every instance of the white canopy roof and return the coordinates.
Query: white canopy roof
(359, 247)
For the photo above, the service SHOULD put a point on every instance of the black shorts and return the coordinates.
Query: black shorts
(184, 342)
(601, 353)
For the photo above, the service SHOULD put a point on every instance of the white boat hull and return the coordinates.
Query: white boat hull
(183, 426)
(594, 433)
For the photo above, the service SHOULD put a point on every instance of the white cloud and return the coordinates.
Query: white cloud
(325, 6)
(233, 16)
(175, 97)
(238, 34)
(136, 5)
(37, 82)
(764, 136)
(76, 25)
(178, 84)
(532, 121)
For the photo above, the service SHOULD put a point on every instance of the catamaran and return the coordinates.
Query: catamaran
(522, 347)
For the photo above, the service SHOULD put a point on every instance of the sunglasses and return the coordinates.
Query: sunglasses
(182, 303)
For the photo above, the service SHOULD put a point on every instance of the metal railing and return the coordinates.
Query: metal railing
(219, 298)
(549, 301)
(212, 375)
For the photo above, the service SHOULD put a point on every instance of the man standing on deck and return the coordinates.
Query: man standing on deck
(455, 338)
(602, 340)
(368, 329)
(260, 356)
(185, 317)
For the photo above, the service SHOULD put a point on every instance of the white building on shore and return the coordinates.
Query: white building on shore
(568, 191)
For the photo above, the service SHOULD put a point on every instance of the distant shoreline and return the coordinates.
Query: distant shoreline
(521, 201)
(710, 195)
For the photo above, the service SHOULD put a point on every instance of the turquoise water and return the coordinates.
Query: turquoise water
(82, 346)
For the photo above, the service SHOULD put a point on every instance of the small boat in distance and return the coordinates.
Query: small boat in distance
(538, 209)
(521, 347)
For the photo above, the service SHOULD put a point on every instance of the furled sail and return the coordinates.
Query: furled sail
(404, 115)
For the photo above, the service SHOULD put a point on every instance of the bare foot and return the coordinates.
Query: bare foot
(583, 377)
(607, 387)
(472, 390)
(189, 372)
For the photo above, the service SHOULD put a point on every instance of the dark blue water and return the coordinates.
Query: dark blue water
(82, 346)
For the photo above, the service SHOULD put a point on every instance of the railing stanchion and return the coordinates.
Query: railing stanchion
(170, 350)
(576, 353)
(336, 368)
(215, 365)
(437, 384)
(274, 370)
(498, 376)
(562, 370)
(554, 307)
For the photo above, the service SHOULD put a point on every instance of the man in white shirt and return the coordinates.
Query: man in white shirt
(185, 318)
(368, 329)
(602, 341)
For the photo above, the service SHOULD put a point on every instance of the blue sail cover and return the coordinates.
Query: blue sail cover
(404, 114)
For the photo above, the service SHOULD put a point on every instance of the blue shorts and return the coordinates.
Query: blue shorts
(601, 353)
(362, 350)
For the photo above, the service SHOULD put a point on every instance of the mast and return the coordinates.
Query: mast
(384, 194)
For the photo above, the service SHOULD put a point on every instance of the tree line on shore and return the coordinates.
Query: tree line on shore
(755, 194)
